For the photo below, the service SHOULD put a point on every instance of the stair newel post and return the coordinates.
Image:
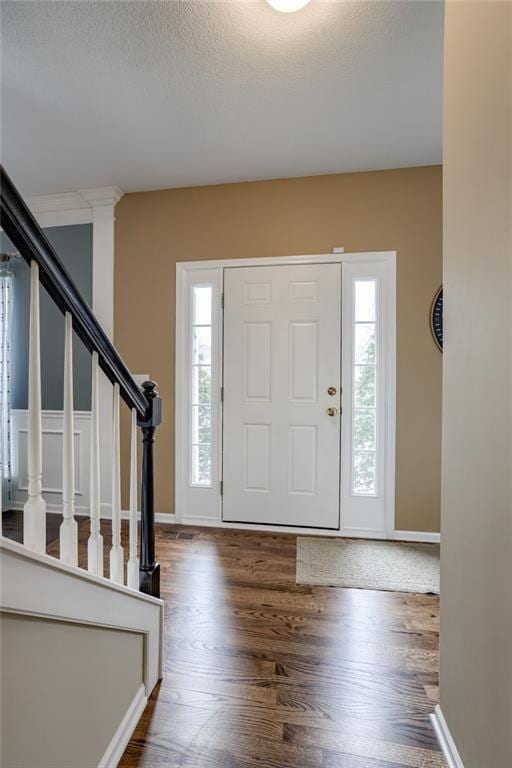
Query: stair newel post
(34, 511)
(149, 568)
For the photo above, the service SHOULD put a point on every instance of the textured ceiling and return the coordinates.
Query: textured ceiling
(152, 94)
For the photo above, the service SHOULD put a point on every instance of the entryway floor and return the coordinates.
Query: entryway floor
(261, 672)
(12, 525)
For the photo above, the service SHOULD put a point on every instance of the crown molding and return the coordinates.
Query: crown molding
(63, 201)
(82, 206)
(100, 196)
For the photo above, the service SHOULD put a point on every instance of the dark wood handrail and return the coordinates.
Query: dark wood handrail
(21, 227)
(23, 230)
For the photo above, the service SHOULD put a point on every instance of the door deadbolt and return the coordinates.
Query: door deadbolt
(331, 391)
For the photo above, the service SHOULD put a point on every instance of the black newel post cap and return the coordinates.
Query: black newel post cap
(150, 388)
(153, 417)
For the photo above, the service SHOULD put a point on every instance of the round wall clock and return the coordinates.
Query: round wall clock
(436, 318)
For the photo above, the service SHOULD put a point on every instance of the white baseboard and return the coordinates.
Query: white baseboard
(55, 509)
(361, 533)
(126, 727)
(51, 509)
(444, 737)
(211, 522)
(160, 517)
(206, 522)
(427, 537)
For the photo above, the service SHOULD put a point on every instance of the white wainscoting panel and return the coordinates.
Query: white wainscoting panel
(53, 429)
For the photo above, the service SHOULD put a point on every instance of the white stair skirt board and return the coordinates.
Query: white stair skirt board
(40, 585)
(445, 739)
(122, 736)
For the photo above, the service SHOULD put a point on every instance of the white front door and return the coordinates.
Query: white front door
(281, 418)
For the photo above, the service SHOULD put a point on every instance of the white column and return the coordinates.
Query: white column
(116, 553)
(102, 202)
(95, 542)
(133, 562)
(103, 307)
(69, 527)
(34, 511)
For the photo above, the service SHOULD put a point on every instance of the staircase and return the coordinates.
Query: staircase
(81, 647)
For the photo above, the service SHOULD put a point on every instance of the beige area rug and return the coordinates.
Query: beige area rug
(388, 565)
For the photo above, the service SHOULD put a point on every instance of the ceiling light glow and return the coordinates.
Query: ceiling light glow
(288, 6)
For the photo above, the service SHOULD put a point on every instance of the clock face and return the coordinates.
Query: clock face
(436, 318)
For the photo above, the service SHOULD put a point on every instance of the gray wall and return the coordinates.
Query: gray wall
(476, 508)
(73, 245)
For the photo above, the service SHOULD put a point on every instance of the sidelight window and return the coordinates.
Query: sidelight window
(201, 386)
(365, 362)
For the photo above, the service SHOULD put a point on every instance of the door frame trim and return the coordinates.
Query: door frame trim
(184, 272)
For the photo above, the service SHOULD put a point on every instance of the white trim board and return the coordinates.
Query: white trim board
(269, 261)
(40, 585)
(427, 537)
(78, 207)
(356, 533)
(445, 739)
(374, 515)
(76, 613)
(56, 509)
(125, 729)
(160, 517)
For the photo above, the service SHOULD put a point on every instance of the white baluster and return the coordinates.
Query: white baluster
(133, 562)
(116, 553)
(69, 527)
(95, 542)
(34, 511)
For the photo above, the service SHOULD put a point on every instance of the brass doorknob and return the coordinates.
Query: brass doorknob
(332, 411)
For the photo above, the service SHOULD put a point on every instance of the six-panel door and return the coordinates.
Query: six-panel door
(281, 426)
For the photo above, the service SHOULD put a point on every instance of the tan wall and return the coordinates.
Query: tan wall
(65, 689)
(476, 549)
(387, 210)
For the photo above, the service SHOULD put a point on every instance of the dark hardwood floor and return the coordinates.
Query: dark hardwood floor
(262, 673)
(12, 525)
